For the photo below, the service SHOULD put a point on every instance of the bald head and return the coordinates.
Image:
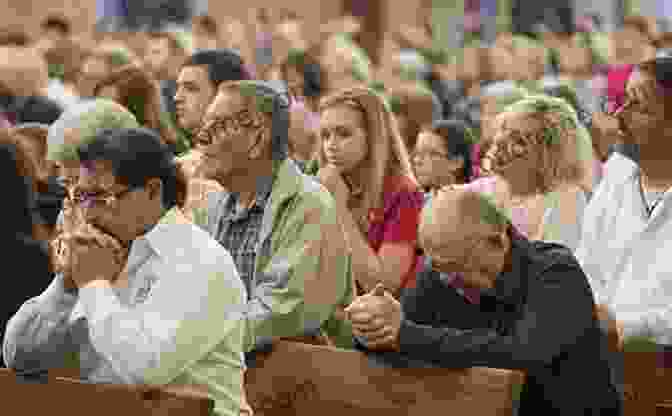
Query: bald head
(459, 212)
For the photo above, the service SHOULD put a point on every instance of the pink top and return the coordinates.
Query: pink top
(398, 220)
(617, 78)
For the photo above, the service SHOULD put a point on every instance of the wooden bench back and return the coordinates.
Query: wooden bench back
(299, 379)
(65, 396)
(294, 379)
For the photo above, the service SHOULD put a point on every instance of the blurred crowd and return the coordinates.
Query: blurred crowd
(503, 204)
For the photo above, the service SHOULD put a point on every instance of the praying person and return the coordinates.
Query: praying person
(523, 321)
(170, 313)
(77, 126)
(366, 167)
(627, 232)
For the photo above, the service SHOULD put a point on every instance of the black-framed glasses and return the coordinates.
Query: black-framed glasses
(97, 199)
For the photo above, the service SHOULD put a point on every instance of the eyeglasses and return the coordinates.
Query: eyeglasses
(213, 130)
(99, 199)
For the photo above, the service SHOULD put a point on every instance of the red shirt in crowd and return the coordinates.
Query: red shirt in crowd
(398, 221)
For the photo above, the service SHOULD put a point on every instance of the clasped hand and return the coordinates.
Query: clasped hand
(376, 319)
(90, 259)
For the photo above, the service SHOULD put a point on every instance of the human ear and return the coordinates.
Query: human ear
(155, 188)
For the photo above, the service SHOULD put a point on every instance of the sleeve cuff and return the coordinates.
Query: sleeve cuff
(413, 339)
(98, 300)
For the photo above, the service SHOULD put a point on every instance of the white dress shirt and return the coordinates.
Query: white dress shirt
(173, 316)
(626, 252)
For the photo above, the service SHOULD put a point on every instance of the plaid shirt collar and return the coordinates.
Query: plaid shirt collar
(234, 212)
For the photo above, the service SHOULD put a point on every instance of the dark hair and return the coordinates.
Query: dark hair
(59, 23)
(38, 109)
(138, 155)
(18, 211)
(458, 140)
(140, 95)
(309, 68)
(207, 23)
(224, 65)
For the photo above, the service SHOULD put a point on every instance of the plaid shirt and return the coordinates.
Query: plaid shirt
(239, 232)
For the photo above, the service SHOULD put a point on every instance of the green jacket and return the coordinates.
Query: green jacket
(302, 269)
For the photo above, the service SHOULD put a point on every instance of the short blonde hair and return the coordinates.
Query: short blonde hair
(557, 138)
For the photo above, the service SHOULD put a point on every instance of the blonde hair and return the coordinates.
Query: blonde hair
(387, 151)
(559, 140)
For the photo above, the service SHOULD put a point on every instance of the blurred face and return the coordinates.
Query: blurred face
(344, 137)
(230, 138)
(194, 94)
(115, 208)
(513, 152)
(433, 166)
(159, 54)
(459, 244)
(643, 114)
(628, 41)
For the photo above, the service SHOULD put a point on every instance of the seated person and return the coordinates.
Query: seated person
(170, 314)
(524, 321)
(280, 226)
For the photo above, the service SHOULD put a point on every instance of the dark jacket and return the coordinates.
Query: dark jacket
(34, 109)
(538, 319)
(27, 261)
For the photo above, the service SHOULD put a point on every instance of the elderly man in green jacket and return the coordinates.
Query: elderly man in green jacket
(279, 225)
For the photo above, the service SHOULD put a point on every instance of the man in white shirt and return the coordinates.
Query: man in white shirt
(627, 231)
(169, 314)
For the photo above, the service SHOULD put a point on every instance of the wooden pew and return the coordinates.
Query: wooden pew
(647, 385)
(295, 379)
(299, 379)
(66, 396)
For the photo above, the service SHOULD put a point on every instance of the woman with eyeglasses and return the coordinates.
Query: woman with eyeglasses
(442, 155)
(365, 165)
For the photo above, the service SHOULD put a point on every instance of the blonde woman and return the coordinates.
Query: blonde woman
(365, 165)
(538, 155)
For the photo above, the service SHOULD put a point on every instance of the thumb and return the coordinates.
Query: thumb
(379, 290)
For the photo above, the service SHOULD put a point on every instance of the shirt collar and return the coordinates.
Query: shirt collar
(261, 196)
(162, 237)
